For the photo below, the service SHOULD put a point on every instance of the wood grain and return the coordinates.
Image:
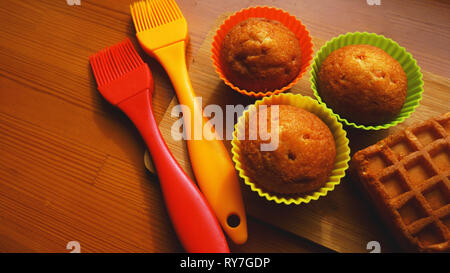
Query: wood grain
(71, 165)
(343, 220)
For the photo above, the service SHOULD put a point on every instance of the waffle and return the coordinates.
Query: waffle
(407, 175)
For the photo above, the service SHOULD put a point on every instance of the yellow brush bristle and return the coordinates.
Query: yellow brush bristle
(154, 13)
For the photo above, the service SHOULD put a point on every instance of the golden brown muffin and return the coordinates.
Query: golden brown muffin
(303, 160)
(363, 84)
(260, 55)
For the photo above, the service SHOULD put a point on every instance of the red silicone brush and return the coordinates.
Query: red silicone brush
(126, 82)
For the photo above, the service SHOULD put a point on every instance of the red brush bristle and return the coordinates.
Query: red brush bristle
(112, 63)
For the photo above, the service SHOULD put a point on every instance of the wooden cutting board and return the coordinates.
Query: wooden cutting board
(344, 220)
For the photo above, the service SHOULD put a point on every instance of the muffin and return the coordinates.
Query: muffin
(303, 160)
(363, 84)
(261, 55)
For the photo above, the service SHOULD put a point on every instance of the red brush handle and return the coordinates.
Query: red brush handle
(194, 221)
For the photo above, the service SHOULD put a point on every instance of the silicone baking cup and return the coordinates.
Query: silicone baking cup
(412, 70)
(272, 14)
(325, 114)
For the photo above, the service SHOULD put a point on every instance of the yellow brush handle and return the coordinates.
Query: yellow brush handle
(210, 159)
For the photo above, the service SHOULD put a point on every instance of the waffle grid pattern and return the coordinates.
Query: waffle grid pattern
(411, 172)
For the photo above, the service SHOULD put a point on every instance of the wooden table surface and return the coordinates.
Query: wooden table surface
(71, 166)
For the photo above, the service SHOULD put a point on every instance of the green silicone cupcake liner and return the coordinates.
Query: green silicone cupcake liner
(412, 70)
(336, 128)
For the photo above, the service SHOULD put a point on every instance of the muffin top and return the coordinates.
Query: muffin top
(260, 55)
(303, 160)
(363, 84)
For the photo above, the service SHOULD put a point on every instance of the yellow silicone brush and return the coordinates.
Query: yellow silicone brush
(162, 32)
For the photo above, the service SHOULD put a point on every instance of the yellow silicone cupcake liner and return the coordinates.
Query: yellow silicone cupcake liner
(325, 114)
(272, 14)
(406, 60)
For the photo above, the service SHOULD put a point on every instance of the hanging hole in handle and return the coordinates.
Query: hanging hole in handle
(233, 220)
